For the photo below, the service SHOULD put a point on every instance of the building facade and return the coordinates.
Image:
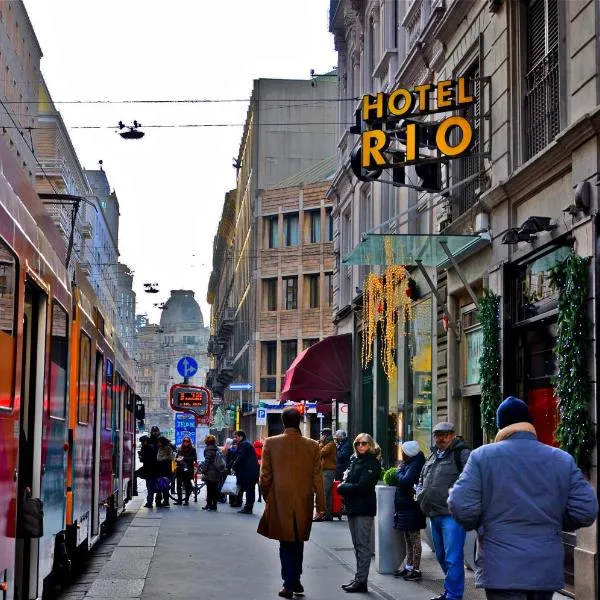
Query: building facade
(290, 127)
(525, 195)
(158, 348)
(20, 56)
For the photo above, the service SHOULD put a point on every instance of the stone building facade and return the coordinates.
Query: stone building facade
(532, 69)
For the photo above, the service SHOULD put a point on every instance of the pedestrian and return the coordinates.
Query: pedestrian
(184, 472)
(211, 471)
(358, 490)
(229, 451)
(520, 495)
(343, 453)
(328, 463)
(290, 477)
(408, 517)
(246, 470)
(149, 470)
(164, 462)
(440, 472)
(258, 446)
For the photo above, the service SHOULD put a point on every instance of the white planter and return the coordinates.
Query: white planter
(389, 543)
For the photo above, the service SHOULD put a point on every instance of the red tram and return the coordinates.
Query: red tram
(67, 401)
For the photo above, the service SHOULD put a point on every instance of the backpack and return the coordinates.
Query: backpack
(457, 461)
(220, 464)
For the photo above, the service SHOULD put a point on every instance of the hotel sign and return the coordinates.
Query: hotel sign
(390, 136)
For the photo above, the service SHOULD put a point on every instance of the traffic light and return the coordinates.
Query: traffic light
(430, 174)
(300, 408)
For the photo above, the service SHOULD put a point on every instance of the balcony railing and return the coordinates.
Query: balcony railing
(542, 104)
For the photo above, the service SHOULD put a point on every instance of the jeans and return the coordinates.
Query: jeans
(449, 540)
(328, 478)
(291, 555)
(518, 595)
(360, 531)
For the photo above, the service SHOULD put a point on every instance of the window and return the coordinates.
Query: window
(290, 229)
(8, 272)
(328, 225)
(164, 388)
(272, 231)
(542, 98)
(312, 290)
(314, 224)
(59, 349)
(109, 403)
(289, 350)
(83, 390)
(307, 343)
(268, 380)
(189, 339)
(290, 293)
(328, 289)
(269, 294)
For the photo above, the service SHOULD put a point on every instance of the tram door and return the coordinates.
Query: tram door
(96, 452)
(30, 434)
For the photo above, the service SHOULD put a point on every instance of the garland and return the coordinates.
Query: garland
(489, 361)
(574, 433)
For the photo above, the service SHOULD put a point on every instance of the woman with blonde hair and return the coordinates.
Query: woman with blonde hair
(358, 490)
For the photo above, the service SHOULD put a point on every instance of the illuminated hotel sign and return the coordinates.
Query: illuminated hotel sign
(391, 136)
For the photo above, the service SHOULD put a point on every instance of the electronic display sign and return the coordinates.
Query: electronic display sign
(189, 398)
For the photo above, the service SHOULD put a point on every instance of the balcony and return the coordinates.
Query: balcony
(225, 324)
(225, 372)
(211, 376)
(87, 231)
(86, 267)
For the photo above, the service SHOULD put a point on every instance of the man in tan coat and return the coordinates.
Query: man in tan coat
(290, 476)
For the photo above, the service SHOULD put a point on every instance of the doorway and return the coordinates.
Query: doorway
(30, 434)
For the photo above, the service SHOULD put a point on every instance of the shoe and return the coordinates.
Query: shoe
(357, 587)
(401, 572)
(440, 597)
(259, 500)
(178, 502)
(327, 519)
(186, 502)
(318, 519)
(414, 575)
(148, 505)
(283, 593)
(298, 589)
(206, 508)
(245, 511)
(347, 585)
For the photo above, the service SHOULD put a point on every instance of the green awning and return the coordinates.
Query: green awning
(407, 249)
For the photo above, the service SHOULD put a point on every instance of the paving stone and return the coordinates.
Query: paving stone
(140, 536)
(116, 588)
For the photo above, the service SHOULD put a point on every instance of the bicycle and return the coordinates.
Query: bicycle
(197, 485)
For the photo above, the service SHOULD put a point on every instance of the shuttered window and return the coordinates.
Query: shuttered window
(542, 99)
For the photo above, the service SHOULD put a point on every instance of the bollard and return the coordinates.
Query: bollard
(389, 544)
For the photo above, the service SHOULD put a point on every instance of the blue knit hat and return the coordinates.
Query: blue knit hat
(512, 410)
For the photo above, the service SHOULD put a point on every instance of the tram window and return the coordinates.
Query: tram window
(85, 345)
(116, 403)
(58, 362)
(8, 273)
(108, 404)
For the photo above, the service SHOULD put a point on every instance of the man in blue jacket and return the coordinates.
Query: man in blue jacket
(246, 469)
(520, 494)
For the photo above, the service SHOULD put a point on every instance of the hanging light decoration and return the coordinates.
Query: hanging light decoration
(373, 308)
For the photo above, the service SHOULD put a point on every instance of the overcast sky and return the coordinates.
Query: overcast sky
(171, 184)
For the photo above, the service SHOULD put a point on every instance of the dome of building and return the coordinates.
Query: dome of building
(181, 309)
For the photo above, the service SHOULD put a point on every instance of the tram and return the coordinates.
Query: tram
(67, 401)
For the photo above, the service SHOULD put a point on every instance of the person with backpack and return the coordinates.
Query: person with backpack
(246, 470)
(439, 474)
(212, 468)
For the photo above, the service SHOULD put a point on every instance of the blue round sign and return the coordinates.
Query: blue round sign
(187, 366)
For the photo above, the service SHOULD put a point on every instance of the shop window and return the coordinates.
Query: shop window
(8, 307)
(290, 229)
(269, 294)
(59, 351)
(311, 283)
(290, 293)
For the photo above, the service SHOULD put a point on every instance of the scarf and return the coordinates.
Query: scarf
(505, 433)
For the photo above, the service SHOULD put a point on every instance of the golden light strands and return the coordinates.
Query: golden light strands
(372, 307)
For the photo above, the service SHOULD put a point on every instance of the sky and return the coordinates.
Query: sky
(171, 184)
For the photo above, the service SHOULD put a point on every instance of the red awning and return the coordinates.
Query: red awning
(321, 372)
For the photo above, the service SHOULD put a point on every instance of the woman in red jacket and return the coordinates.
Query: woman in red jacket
(258, 448)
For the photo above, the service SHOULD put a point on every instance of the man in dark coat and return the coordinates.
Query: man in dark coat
(246, 469)
(344, 452)
(520, 494)
(290, 476)
(148, 453)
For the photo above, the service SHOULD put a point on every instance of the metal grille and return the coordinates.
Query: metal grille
(466, 195)
(542, 79)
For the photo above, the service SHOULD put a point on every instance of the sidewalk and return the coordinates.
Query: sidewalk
(187, 553)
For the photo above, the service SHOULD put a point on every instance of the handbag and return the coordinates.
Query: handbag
(161, 485)
(230, 486)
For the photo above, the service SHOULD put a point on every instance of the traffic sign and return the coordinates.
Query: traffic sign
(187, 366)
(240, 386)
(261, 416)
(185, 424)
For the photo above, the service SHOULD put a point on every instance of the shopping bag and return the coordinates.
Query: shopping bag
(160, 485)
(230, 486)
